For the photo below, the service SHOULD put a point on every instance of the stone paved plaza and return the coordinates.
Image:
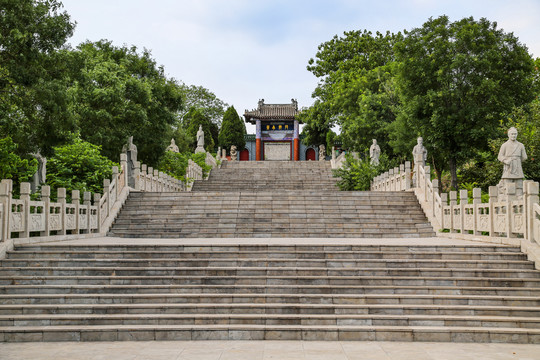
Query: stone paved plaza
(265, 350)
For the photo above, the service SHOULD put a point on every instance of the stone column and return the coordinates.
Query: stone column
(258, 140)
(296, 141)
(6, 188)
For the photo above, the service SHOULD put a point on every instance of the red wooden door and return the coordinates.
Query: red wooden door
(244, 155)
(310, 154)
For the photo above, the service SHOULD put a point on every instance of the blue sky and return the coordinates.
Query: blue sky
(244, 50)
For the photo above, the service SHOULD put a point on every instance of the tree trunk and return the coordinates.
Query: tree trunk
(453, 174)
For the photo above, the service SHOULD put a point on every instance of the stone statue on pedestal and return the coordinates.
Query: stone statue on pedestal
(234, 153)
(374, 153)
(511, 154)
(173, 147)
(322, 153)
(131, 151)
(40, 176)
(419, 153)
(200, 140)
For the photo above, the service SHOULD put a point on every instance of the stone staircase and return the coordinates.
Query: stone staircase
(473, 293)
(256, 176)
(262, 287)
(271, 199)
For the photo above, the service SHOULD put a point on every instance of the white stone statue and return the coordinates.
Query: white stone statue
(419, 153)
(322, 153)
(234, 153)
(374, 153)
(511, 154)
(200, 140)
(173, 147)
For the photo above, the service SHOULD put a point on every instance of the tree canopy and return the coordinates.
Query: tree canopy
(458, 80)
(232, 130)
(454, 83)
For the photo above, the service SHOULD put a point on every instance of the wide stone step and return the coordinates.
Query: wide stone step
(61, 287)
(271, 308)
(294, 284)
(277, 271)
(333, 255)
(269, 319)
(100, 298)
(262, 262)
(329, 248)
(268, 332)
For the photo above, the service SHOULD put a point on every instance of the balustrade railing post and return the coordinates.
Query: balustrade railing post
(46, 198)
(115, 178)
(463, 201)
(435, 185)
(493, 198)
(427, 179)
(6, 190)
(532, 198)
(144, 178)
(123, 171)
(511, 196)
(61, 199)
(156, 179)
(25, 197)
(137, 175)
(444, 202)
(97, 201)
(87, 202)
(107, 194)
(407, 175)
(477, 199)
(76, 200)
(391, 179)
(453, 208)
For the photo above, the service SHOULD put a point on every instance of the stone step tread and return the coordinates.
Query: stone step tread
(232, 296)
(276, 305)
(483, 318)
(276, 268)
(217, 327)
(265, 262)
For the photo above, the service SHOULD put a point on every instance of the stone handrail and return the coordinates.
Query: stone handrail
(210, 160)
(396, 179)
(43, 220)
(511, 220)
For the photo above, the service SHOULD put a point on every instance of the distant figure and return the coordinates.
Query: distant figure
(131, 151)
(173, 147)
(234, 153)
(200, 140)
(374, 153)
(322, 153)
(511, 154)
(419, 153)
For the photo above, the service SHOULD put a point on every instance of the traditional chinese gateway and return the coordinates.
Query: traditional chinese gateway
(277, 134)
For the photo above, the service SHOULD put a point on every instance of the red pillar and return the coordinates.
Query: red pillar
(258, 149)
(296, 150)
(258, 140)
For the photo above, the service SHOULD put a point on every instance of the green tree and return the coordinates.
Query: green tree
(232, 130)
(118, 92)
(356, 90)
(203, 99)
(12, 166)
(457, 80)
(33, 101)
(78, 166)
(194, 118)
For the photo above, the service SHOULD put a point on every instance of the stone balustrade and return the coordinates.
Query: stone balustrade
(24, 218)
(396, 179)
(512, 220)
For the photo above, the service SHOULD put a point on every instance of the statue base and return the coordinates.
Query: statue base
(510, 188)
(199, 149)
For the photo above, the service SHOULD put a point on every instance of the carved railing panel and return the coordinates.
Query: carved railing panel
(468, 217)
(36, 217)
(482, 217)
(71, 216)
(17, 221)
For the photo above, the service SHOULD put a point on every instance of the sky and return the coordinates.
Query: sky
(246, 50)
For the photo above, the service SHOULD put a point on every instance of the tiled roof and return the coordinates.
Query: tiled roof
(272, 112)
